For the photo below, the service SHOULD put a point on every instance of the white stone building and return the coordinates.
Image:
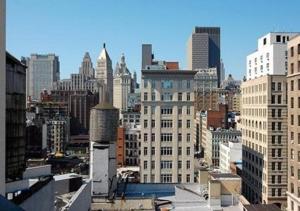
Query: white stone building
(167, 109)
(104, 72)
(122, 85)
(230, 151)
(270, 56)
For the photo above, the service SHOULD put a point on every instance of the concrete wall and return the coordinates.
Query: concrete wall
(81, 200)
(41, 200)
(2, 96)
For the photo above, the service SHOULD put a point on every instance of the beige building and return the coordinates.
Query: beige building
(2, 96)
(293, 80)
(167, 149)
(264, 136)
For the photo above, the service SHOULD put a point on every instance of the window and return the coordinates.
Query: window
(292, 85)
(152, 84)
(179, 178)
(152, 123)
(166, 137)
(292, 102)
(145, 150)
(188, 82)
(188, 164)
(292, 68)
(166, 178)
(273, 99)
(166, 164)
(179, 110)
(273, 125)
(279, 166)
(145, 109)
(279, 99)
(166, 111)
(298, 102)
(273, 152)
(279, 113)
(188, 123)
(179, 123)
(273, 179)
(153, 165)
(152, 150)
(279, 191)
(292, 135)
(188, 178)
(145, 178)
(153, 137)
(273, 86)
(166, 123)
(299, 83)
(273, 191)
(279, 153)
(188, 110)
(188, 137)
(166, 97)
(188, 151)
(273, 112)
(188, 97)
(279, 139)
(292, 51)
(153, 96)
(279, 179)
(298, 120)
(166, 150)
(265, 41)
(145, 123)
(273, 139)
(292, 187)
(298, 174)
(279, 86)
(298, 49)
(145, 96)
(179, 137)
(179, 150)
(292, 154)
(145, 137)
(292, 119)
(179, 164)
(279, 126)
(273, 165)
(278, 38)
(166, 84)
(145, 164)
(179, 96)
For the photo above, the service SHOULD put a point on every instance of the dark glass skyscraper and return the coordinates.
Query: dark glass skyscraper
(203, 49)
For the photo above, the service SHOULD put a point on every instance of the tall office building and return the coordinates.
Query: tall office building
(203, 49)
(122, 85)
(87, 66)
(270, 56)
(42, 72)
(146, 55)
(104, 73)
(222, 71)
(167, 110)
(15, 118)
(2, 95)
(264, 135)
(293, 79)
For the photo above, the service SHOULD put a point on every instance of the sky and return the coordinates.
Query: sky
(69, 28)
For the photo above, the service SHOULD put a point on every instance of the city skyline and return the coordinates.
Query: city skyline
(122, 27)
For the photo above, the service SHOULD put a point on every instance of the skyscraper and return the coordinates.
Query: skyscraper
(146, 55)
(203, 49)
(104, 72)
(42, 72)
(293, 80)
(122, 85)
(2, 95)
(87, 66)
(15, 118)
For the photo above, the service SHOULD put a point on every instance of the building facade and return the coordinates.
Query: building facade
(203, 49)
(104, 73)
(293, 80)
(230, 151)
(206, 93)
(42, 72)
(15, 118)
(122, 85)
(2, 94)
(214, 138)
(167, 151)
(264, 136)
(270, 56)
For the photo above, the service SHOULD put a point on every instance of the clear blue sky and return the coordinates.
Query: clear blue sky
(69, 28)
